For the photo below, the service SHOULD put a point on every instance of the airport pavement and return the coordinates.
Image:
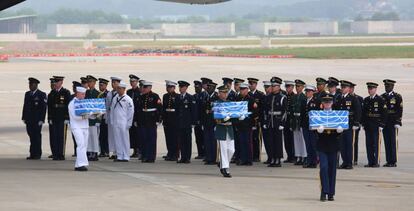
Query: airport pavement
(53, 185)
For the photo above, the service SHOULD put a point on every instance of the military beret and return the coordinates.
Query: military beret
(299, 82)
(389, 82)
(372, 85)
(33, 81)
(183, 83)
(133, 77)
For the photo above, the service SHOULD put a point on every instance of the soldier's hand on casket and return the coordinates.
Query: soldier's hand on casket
(355, 127)
(227, 118)
(397, 126)
(281, 127)
(159, 123)
(339, 129)
(320, 129)
(40, 123)
(241, 118)
(50, 122)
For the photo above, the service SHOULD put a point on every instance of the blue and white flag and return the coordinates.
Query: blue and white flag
(329, 119)
(222, 110)
(90, 106)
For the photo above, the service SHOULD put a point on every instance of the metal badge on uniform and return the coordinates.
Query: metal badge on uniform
(36, 103)
(62, 97)
(348, 103)
(376, 105)
(393, 101)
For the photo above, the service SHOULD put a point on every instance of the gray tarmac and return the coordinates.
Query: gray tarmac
(53, 185)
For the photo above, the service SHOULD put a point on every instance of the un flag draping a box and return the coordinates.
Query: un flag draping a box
(90, 107)
(222, 110)
(328, 119)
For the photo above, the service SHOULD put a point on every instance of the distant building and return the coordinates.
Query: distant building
(17, 28)
(196, 29)
(83, 30)
(294, 28)
(382, 27)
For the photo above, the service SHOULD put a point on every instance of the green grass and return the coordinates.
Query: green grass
(330, 52)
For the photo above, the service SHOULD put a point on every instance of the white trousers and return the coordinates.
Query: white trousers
(111, 139)
(300, 145)
(226, 152)
(81, 137)
(93, 140)
(122, 144)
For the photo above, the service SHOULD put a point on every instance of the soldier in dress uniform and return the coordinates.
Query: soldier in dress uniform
(224, 133)
(94, 123)
(108, 101)
(52, 88)
(257, 133)
(103, 129)
(333, 89)
(275, 108)
(58, 118)
(320, 88)
(356, 142)
(198, 128)
(186, 117)
(74, 85)
(267, 85)
(228, 82)
(134, 93)
(373, 120)
(84, 82)
(169, 117)
(312, 103)
(148, 116)
(298, 104)
(244, 126)
(394, 103)
(288, 131)
(33, 116)
(348, 102)
(236, 85)
(210, 143)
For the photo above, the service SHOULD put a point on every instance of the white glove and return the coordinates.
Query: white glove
(281, 127)
(290, 129)
(40, 123)
(66, 122)
(242, 118)
(136, 124)
(24, 122)
(50, 122)
(339, 129)
(320, 129)
(397, 126)
(192, 126)
(98, 124)
(227, 118)
(355, 127)
(159, 123)
(92, 116)
(380, 129)
(99, 115)
(264, 126)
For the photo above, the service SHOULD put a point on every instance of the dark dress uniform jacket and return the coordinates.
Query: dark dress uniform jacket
(275, 108)
(92, 94)
(313, 104)
(207, 117)
(394, 104)
(298, 105)
(134, 95)
(186, 111)
(374, 112)
(328, 141)
(169, 111)
(247, 123)
(34, 108)
(351, 104)
(148, 110)
(258, 98)
(57, 105)
(223, 127)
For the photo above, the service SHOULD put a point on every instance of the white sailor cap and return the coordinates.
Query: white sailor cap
(122, 84)
(80, 89)
(267, 83)
(170, 83)
(114, 78)
(310, 88)
(244, 86)
(289, 83)
(146, 83)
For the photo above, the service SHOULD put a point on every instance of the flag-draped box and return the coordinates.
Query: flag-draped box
(329, 119)
(90, 106)
(222, 110)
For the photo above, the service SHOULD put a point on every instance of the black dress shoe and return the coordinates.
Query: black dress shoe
(256, 160)
(121, 161)
(267, 162)
(349, 167)
(323, 197)
(368, 166)
(82, 168)
(393, 165)
(32, 158)
(199, 157)
(74, 155)
(112, 157)
(342, 166)
(286, 161)
(375, 166)
(50, 156)
(331, 198)
(226, 173)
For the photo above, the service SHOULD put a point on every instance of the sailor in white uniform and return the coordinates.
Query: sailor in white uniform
(122, 114)
(109, 99)
(80, 129)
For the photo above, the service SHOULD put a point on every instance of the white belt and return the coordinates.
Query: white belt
(275, 113)
(170, 110)
(149, 110)
(296, 114)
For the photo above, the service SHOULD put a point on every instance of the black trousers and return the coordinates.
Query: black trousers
(391, 143)
(34, 131)
(257, 143)
(170, 133)
(57, 136)
(103, 138)
(266, 143)
(289, 144)
(210, 144)
(133, 137)
(184, 140)
(276, 143)
(236, 154)
(149, 140)
(356, 140)
(199, 139)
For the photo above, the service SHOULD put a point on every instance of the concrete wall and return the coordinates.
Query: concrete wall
(197, 29)
(18, 37)
(294, 28)
(382, 27)
(280, 28)
(82, 30)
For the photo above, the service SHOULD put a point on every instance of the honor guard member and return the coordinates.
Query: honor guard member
(58, 118)
(394, 103)
(350, 103)
(198, 128)
(237, 82)
(373, 120)
(288, 131)
(244, 127)
(257, 133)
(80, 129)
(328, 146)
(268, 91)
(186, 118)
(275, 78)
(34, 114)
(224, 133)
(74, 85)
(108, 101)
(298, 105)
(52, 88)
(122, 115)
(209, 124)
(148, 115)
(94, 123)
(310, 137)
(333, 89)
(320, 88)
(103, 129)
(169, 118)
(228, 82)
(84, 82)
(356, 142)
(134, 94)
(275, 108)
